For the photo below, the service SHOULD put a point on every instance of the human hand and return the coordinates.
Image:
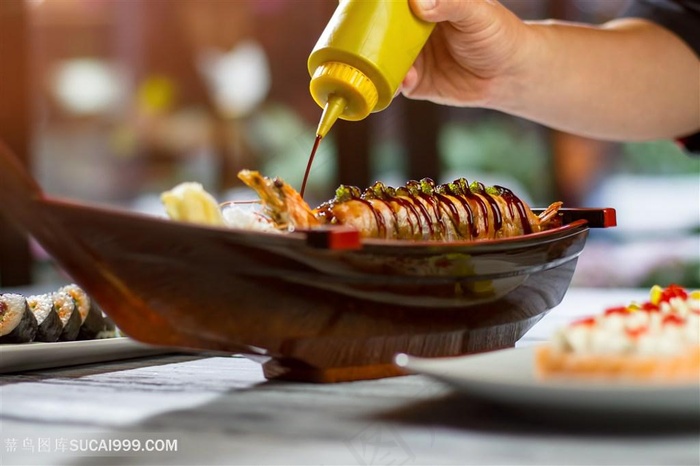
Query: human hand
(476, 47)
(626, 80)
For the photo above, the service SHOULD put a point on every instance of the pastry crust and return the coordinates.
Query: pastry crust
(658, 340)
(552, 363)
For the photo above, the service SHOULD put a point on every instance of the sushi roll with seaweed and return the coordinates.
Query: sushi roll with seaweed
(17, 323)
(68, 313)
(92, 322)
(110, 330)
(50, 326)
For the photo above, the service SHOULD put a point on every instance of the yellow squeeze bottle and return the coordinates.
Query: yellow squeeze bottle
(362, 56)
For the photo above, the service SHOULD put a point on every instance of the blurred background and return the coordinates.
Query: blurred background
(115, 101)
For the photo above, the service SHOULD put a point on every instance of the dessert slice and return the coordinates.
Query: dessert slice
(655, 340)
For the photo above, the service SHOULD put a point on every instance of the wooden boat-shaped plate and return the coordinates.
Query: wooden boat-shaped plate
(321, 305)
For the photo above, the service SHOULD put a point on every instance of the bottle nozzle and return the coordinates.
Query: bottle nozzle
(335, 106)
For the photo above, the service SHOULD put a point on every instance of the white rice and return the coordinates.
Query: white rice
(14, 307)
(247, 217)
(41, 306)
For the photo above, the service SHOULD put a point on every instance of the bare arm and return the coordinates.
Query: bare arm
(626, 80)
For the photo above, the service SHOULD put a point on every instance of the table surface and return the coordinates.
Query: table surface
(221, 410)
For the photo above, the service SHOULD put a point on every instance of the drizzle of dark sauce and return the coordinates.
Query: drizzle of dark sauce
(431, 208)
(513, 200)
(426, 215)
(407, 203)
(484, 212)
(388, 205)
(444, 201)
(436, 222)
(473, 227)
(497, 217)
(317, 142)
(378, 217)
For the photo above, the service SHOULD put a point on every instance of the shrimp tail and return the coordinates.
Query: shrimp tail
(549, 215)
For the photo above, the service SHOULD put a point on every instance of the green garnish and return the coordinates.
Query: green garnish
(346, 193)
(426, 186)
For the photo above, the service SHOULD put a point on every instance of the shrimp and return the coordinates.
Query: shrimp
(420, 210)
(285, 207)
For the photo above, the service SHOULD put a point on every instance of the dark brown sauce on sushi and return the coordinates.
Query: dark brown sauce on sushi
(514, 201)
(410, 207)
(497, 217)
(453, 212)
(378, 217)
(428, 209)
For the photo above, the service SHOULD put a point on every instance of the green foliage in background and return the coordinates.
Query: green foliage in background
(657, 158)
(684, 273)
(388, 159)
(499, 145)
(282, 143)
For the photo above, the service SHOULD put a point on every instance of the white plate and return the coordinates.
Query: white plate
(508, 377)
(31, 356)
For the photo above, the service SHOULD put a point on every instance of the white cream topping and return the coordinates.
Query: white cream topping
(670, 330)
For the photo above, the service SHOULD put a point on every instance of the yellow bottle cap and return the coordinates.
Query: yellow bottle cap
(343, 92)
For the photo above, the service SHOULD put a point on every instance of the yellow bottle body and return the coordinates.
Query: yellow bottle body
(362, 57)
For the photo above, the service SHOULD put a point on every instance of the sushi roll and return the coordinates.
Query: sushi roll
(92, 322)
(110, 330)
(68, 313)
(50, 326)
(17, 323)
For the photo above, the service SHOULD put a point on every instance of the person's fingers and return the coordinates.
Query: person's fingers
(414, 75)
(422, 8)
(410, 81)
(454, 11)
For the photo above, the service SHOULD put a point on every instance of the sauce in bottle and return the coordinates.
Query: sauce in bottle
(362, 57)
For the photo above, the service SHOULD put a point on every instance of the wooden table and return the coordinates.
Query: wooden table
(220, 410)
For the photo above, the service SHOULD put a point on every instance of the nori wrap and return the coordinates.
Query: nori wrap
(69, 315)
(92, 320)
(110, 330)
(17, 323)
(50, 325)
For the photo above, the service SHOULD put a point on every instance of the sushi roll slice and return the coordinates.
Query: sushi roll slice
(68, 313)
(92, 322)
(110, 330)
(50, 326)
(17, 323)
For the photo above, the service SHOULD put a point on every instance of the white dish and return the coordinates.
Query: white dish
(507, 377)
(31, 356)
